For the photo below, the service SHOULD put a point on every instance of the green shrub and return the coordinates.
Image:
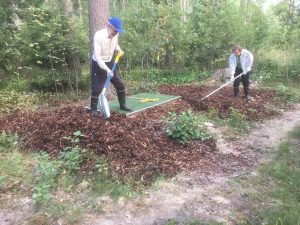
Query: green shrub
(59, 84)
(284, 92)
(186, 127)
(14, 100)
(7, 141)
(72, 158)
(45, 178)
(166, 76)
(213, 114)
(238, 120)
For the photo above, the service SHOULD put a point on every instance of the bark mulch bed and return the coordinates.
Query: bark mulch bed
(222, 100)
(137, 146)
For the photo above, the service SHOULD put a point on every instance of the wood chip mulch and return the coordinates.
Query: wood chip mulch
(137, 147)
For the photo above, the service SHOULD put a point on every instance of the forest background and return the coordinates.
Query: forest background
(45, 46)
(45, 59)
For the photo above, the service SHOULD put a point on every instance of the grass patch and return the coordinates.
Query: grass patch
(295, 133)
(64, 192)
(12, 101)
(14, 166)
(285, 193)
(288, 91)
(104, 184)
(190, 222)
(275, 195)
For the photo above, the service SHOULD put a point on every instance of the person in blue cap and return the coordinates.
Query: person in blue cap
(105, 45)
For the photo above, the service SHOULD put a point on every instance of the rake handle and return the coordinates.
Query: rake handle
(221, 87)
(120, 54)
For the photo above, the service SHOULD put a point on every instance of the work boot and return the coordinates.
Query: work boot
(122, 101)
(246, 93)
(94, 105)
(235, 92)
(247, 97)
(95, 113)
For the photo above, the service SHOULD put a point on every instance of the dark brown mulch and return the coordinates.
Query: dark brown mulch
(222, 100)
(137, 146)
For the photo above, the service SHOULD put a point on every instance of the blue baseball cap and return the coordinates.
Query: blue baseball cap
(116, 23)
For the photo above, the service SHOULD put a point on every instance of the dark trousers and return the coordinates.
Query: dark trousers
(98, 78)
(244, 79)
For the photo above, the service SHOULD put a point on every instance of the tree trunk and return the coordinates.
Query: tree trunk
(73, 60)
(98, 15)
(183, 8)
(80, 9)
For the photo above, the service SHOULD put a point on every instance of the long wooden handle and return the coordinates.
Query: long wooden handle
(221, 87)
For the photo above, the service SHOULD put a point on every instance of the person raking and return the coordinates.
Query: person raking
(240, 61)
(105, 45)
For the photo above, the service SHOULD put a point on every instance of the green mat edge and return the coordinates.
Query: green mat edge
(113, 104)
(172, 98)
(159, 103)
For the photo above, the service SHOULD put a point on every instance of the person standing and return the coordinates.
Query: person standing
(105, 45)
(240, 61)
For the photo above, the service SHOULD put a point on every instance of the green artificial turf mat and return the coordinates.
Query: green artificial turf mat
(139, 102)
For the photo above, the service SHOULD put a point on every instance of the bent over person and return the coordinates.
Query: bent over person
(105, 45)
(240, 61)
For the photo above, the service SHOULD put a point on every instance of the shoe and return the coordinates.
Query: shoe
(247, 97)
(95, 113)
(93, 110)
(122, 101)
(125, 108)
(87, 110)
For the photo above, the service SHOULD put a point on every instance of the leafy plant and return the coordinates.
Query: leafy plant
(7, 141)
(72, 155)
(186, 127)
(72, 158)
(284, 92)
(213, 114)
(75, 138)
(238, 120)
(45, 178)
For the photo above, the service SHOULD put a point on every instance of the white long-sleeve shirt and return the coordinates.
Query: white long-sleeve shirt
(246, 58)
(104, 48)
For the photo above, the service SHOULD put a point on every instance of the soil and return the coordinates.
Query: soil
(138, 147)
